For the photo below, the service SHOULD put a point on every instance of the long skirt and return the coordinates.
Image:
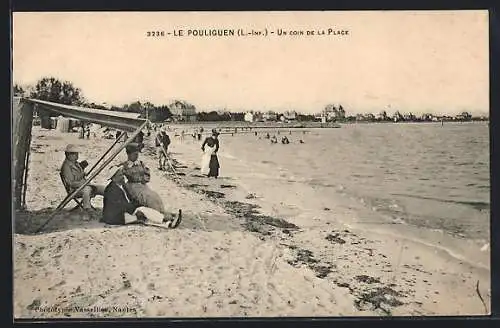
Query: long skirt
(142, 195)
(214, 166)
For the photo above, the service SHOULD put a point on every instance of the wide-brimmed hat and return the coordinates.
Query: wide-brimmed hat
(71, 149)
(112, 171)
(132, 148)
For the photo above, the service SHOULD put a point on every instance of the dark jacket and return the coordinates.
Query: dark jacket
(210, 141)
(73, 174)
(163, 138)
(115, 205)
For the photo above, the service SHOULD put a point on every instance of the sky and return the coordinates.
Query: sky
(426, 61)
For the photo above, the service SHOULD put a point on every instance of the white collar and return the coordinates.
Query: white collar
(137, 162)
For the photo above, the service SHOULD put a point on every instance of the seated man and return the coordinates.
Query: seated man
(119, 209)
(73, 175)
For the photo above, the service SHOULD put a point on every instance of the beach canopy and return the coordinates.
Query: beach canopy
(118, 120)
(22, 123)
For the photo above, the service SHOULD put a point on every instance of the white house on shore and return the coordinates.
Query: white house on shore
(290, 115)
(249, 117)
(332, 113)
(270, 116)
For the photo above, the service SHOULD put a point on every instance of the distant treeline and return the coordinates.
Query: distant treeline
(64, 92)
(215, 116)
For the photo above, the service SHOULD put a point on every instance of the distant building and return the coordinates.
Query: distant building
(182, 111)
(463, 117)
(365, 117)
(427, 117)
(269, 116)
(249, 117)
(382, 116)
(290, 115)
(332, 113)
(397, 117)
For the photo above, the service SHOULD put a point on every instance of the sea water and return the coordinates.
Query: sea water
(425, 176)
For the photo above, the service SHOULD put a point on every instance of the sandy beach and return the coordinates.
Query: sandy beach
(240, 251)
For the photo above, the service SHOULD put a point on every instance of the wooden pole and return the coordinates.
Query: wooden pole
(166, 155)
(22, 115)
(25, 179)
(104, 155)
(92, 176)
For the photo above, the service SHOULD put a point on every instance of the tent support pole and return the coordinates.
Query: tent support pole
(92, 176)
(25, 178)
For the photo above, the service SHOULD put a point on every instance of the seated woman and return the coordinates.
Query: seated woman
(138, 175)
(119, 209)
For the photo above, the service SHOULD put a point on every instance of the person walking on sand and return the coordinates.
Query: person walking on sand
(73, 174)
(81, 134)
(209, 161)
(162, 142)
(139, 139)
(138, 175)
(119, 209)
(87, 131)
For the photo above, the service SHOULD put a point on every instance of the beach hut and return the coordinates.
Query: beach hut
(45, 122)
(64, 124)
(53, 122)
(22, 112)
(73, 123)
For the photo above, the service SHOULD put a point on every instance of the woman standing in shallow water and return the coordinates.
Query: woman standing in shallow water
(209, 161)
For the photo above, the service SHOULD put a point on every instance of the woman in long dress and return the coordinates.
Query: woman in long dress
(209, 161)
(138, 175)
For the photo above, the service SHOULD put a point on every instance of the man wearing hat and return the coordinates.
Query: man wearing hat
(139, 140)
(120, 209)
(73, 173)
(162, 142)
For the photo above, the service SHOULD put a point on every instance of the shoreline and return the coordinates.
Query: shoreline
(300, 125)
(344, 270)
(459, 247)
(437, 250)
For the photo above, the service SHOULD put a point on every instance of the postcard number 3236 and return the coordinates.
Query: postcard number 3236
(155, 33)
